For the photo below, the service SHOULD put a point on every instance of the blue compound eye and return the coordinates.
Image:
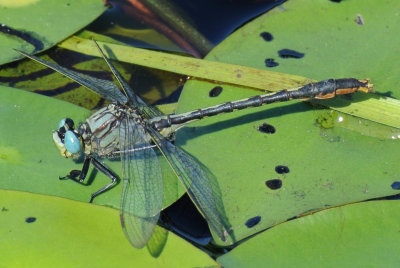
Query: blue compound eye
(72, 142)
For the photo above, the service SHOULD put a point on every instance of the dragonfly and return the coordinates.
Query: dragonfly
(140, 133)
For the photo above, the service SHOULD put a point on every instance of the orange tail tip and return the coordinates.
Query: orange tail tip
(368, 87)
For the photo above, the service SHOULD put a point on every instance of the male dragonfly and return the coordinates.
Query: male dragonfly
(137, 132)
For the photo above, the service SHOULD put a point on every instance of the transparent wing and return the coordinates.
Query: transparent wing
(150, 111)
(142, 194)
(133, 99)
(106, 89)
(201, 189)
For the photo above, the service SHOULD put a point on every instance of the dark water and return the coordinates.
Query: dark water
(215, 19)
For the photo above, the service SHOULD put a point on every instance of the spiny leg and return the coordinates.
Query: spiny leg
(80, 175)
(105, 170)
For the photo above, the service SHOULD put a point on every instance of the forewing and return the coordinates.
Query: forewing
(106, 89)
(201, 189)
(133, 99)
(142, 195)
(150, 111)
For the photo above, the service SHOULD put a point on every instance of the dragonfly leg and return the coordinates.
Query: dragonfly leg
(80, 175)
(102, 168)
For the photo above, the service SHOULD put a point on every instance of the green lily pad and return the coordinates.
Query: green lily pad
(29, 160)
(319, 164)
(35, 25)
(357, 235)
(327, 33)
(44, 231)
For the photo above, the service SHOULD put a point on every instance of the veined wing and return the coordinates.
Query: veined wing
(106, 89)
(142, 194)
(150, 111)
(133, 99)
(198, 185)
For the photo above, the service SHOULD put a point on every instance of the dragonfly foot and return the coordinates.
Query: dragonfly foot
(73, 174)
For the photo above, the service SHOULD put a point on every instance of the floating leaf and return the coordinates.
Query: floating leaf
(44, 231)
(357, 235)
(209, 70)
(34, 26)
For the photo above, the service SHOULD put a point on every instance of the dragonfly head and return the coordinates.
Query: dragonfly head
(67, 140)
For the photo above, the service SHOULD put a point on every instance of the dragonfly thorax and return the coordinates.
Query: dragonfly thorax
(100, 132)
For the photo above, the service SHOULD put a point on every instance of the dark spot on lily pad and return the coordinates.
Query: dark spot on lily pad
(267, 36)
(396, 185)
(282, 169)
(266, 128)
(215, 91)
(360, 20)
(274, 184)
(250, 223)
(288, 53)
(30, 219)
(271, 62)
